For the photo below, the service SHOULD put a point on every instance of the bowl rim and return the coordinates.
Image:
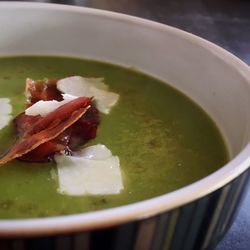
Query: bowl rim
(143, 209)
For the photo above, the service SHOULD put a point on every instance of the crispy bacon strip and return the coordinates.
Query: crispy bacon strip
(78, 134)
(56, 116)
(48, 128)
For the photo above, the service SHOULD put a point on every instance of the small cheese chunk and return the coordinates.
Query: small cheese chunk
(92, 171)
(45, 107)
(96, 152)
(80, 86)
(5, 112)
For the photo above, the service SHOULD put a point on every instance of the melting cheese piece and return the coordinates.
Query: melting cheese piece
(45, 107)
(93, 170)
(5, 112)
(80, 86)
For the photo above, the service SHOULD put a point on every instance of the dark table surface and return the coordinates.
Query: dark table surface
(224, 22)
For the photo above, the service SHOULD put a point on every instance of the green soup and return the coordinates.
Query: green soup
(163, 139)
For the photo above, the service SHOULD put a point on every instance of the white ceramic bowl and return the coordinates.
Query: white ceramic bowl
(211, 76)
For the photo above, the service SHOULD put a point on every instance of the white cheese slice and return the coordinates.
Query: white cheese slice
(45, 107)
(80, 86)
(92, 171)
(5, 112)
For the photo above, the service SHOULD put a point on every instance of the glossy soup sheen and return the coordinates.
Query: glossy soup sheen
(163, 139)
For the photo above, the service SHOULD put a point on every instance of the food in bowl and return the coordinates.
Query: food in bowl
(164, 140)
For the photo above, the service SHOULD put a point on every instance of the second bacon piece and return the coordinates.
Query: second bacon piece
(45, 90)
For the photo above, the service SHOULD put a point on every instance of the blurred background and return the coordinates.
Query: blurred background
(223, 22)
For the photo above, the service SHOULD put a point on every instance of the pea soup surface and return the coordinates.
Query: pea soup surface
(163, 139)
